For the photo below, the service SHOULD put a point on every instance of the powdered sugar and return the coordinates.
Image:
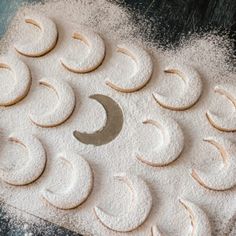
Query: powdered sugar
(172, 144)
(95, 55)
(47, 40)
(142, 74)
(22, 81)
(209, 55)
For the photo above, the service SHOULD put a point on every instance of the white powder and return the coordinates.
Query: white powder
(209, 55)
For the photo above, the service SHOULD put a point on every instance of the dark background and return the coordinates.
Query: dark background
(169, 21)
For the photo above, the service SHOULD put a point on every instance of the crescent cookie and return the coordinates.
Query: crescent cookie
(224, 123)
(93, 59)
(35, 165)
(143, 73)
(137, 214)
(22, 80)
(64, 107)
(191, 92)
(199, 220)
(222, 179)
(172, 146)
(79, 188)
(45, 43)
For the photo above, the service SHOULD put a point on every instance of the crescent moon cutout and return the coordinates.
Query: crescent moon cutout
(137, 214)
(173, 143)
(225, 178)
(64, 107)
(45, 43)
(224, 123)
(199, 220)
(80, 186)
(93, 59)
(35, 165)
(22, 81)
(155, 231)
(112, 127)
(144, 68)
(191, 93)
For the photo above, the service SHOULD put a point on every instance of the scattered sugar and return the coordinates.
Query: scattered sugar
(210, 55)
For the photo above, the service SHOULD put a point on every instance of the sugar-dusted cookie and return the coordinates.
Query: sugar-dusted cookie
(137, 213)
(79, 188)
(143, 72)
(192, 89)
(223, 122)
(199, 220)
(64, 107)
(171, 147)
(33, 167)
(45, 43)
(93, 59)
(222, 179)
(22, 80)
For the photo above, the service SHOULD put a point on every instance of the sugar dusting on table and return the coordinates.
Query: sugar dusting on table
(209, 54)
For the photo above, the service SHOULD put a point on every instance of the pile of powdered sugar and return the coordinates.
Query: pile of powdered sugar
(209, 54)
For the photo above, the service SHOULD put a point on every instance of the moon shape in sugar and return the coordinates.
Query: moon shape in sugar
(144, 68)
(199, 220)
(45, 43)
(173, 143)
(35, 165)
(22, 80)
(224, 123)
(112, 127)
(93, 59)
(80, 186)
(191, 93)
(137, 213)
(226, 177)
(64, 107)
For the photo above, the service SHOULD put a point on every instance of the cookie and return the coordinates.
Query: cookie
(45, 43)
(22, 80)
(222, 179)
(80, 187)
(172, 145)
(191, 91)
(141, 199)
(35, 164)
(95, 55)
(64, 107)
(143, 72)
(226, 123)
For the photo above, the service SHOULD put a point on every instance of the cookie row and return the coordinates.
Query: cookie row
(82, 183)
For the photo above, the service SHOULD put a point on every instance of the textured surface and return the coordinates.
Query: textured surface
(176, 17)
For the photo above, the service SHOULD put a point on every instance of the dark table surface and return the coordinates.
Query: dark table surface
(170, 21)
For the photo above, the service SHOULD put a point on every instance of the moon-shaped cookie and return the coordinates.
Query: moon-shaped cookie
(172, 145)
(199, 220)
(112, 127)
(64, 107)
(79, 188)
(137, 213)
(93, 59)
(225, 178)
(191, 93)
(45, 43)
(34, 166)
(224, 123)
(22, 80)
(142, 75)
